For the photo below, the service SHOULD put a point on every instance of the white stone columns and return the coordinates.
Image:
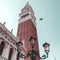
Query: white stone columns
(14, 56)
(5, 52)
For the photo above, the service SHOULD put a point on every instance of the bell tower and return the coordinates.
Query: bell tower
(27, 28)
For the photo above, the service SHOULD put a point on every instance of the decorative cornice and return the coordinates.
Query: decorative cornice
(7, 32)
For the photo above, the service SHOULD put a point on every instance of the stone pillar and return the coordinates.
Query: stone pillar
(14, 56)
(6, 51)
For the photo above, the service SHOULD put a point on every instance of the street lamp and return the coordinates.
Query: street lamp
(46, 49)
(19, 46)
(45, 45)
(32, 41)
(19, 49)
(33, 53)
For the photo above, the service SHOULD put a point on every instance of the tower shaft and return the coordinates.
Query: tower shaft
(27, 28)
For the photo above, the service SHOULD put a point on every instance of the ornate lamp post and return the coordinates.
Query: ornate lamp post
(46, 49)
(32, 53)
(19, 49)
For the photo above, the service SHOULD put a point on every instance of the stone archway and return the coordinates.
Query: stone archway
(2, 45)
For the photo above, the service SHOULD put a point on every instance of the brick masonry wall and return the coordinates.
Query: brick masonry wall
(25, 31)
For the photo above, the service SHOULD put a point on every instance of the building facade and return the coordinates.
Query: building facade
(8, 49)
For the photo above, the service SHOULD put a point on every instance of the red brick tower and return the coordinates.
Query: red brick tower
(27, 28)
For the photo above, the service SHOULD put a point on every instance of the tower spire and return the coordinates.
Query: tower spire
(28, 3)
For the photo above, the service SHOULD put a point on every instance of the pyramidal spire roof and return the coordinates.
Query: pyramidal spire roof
(27, 7)
(27, 3)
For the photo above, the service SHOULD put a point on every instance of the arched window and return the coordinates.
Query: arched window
(10, 54)
(2, 45)
(18, 55)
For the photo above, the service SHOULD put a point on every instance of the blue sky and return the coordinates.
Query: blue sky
(48, 30)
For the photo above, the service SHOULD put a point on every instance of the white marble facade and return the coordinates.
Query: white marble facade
(9, 42)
